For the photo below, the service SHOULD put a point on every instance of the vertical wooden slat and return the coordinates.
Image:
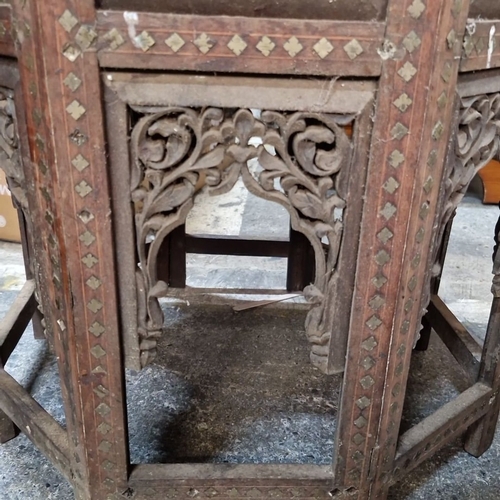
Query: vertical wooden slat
(63, 99)
(423, 41)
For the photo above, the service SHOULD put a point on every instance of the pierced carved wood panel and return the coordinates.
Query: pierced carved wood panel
(308, 164)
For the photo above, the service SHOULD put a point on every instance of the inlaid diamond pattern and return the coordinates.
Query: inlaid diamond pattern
(451, 39)
(416, 9)
(85, 216)
(103, 410)
(408, 305)
(323, 47)
(447, 72)
(101, 391)
(144, 41)
(369, 344)
(367, 382)
(391, 185)
(363, 403)
(396, 158)
(72, 82)
(71, 52)
(253, 493)
(95, 305)
(368, 363)
(388, 211)
(416, 261)
(357, 456)
(105, 446)
(83, 189)
(468, 45)
(480, 45)
(99, 369)
(68, 21)
(437, 131)
(360, 422)
(108, 465)
(75, 110)
(407, 71)
(266, 46)
(293, 46)
(353, 49)
(175, 42)
(358, 439)
(94, 282)
(103, 428)
(382, 258)
(204, 43)
(433, 156)
(89, 260)
(87, 238)
(419, 237)
(379, 281)
(114, 38)
(405, 327)
(396, 390)
(373, 323)
(237, 45)
(424, 211)
(377, 302)
(429, 183)
(442, 100)
(411, 41)
(399, 131)
(97, 351)
(403, 102)
(96, 329)
(80, 163)
(385, 235)
(85, 36)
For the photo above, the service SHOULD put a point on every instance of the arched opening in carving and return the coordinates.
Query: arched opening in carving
(302, 159)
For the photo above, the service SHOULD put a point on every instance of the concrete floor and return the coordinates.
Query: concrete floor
(265, 402)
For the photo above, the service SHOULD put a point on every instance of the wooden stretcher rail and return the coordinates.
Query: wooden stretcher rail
(451, 420)
(154, 41)
(481, 46)
(231, 481)
(233, 246)
(16, 320)
(456, 337)
(45, 433)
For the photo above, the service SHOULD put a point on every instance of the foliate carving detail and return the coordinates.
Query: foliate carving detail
(477, 143)
(10, 158)
(300, 156)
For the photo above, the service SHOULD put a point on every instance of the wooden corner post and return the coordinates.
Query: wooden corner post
(63, 106)
(415, 105)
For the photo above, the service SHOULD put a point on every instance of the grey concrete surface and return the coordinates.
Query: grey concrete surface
(249, 393)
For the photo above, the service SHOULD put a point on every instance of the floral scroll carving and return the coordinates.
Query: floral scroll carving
(300, 155)
(477, 142)
(10, 157)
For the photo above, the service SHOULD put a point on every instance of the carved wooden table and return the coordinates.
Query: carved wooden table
(379, 114)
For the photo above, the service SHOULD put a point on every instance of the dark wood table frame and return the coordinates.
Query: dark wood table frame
(433, 121)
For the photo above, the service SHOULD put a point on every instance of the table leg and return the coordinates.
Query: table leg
(393, 271)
